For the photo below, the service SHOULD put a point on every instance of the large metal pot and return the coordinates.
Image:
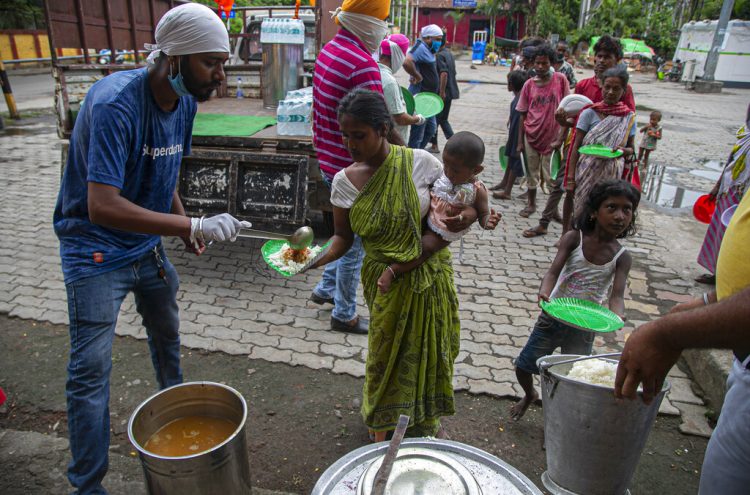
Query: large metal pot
(349, 475)
(593, 441)
(222, 470)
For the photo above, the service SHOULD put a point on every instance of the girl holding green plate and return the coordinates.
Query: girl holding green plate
(610, 124)
(590, 269)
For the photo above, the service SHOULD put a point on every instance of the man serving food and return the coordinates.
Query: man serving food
(118, 196)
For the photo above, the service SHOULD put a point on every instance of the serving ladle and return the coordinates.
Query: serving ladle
(300, 239)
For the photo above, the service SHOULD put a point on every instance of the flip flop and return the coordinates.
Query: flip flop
(530, 233)
(527, 212)
(706, 278)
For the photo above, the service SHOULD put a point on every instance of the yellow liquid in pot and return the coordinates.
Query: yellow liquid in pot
(189, 436)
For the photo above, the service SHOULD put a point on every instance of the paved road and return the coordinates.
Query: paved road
(32, 91)
(229, 302)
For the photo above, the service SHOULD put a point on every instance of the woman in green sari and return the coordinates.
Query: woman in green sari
(414, 327)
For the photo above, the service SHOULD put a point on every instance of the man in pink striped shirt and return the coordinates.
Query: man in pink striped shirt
(344, 64)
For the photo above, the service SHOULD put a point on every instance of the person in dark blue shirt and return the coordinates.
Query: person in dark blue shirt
(117, 198)
(421, 64)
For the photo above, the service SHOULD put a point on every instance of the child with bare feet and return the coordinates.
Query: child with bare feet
(514, 169)
(455, 190)
(590, 264)
(651, 134)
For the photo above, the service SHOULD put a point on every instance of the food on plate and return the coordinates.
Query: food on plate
(293, 260)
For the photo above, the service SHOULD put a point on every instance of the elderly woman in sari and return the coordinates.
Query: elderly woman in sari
(609, 122)
(414, 328)
(728, 192)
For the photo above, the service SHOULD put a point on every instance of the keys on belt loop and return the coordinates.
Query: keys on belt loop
(160, 265)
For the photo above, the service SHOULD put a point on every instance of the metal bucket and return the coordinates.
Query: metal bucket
(281, 71)
(349, 475)
(222, 470)
(593, 441)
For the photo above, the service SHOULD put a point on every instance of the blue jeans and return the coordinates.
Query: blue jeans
(421, 134)
(726, 466)
(341, 278)
(548, 335)
(93, 306)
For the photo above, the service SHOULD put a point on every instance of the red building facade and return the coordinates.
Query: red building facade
(434, 12)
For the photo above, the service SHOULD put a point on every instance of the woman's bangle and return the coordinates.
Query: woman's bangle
(392, 272)
(705, 299)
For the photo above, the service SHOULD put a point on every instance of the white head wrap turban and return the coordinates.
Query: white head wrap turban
(431, 31)
(188, 29)
(370, 30)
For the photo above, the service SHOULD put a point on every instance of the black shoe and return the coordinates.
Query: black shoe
(359, 328)
(320, 300)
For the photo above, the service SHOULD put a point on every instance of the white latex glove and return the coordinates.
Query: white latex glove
(221, 227)
(421, 118)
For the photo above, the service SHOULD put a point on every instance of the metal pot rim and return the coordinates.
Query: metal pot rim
(142, 450)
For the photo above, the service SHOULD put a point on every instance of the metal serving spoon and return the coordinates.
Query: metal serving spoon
(300, 239)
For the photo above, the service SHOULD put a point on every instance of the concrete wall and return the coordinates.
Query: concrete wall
(23, 44)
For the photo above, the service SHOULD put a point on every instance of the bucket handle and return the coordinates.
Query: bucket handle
(546, 375)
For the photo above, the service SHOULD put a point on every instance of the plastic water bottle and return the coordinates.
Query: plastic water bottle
(240, 94)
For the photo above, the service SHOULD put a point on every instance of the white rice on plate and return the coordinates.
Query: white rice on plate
(594, 371)
(290, 266)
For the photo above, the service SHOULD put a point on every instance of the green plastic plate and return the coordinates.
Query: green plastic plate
(273, 246)
(599, 150)
(428, 104)
(582, 314)
(503, 158)
(554, 164)
(409, 100)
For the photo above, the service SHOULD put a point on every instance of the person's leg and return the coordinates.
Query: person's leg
(641, 150)
(533, 166)
(93, 305)
(542, 342)
(430, 127)
(645, 160)
(551, 211)
(443, 119)
(325, 288)
(347, 280)
(156, 302)
(417, 134)
(726, 465)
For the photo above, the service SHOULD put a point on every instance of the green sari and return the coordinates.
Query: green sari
(414, 328)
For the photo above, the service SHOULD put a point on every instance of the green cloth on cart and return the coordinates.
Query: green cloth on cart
(216, 124)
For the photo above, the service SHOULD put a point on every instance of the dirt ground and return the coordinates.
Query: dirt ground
(300, 420)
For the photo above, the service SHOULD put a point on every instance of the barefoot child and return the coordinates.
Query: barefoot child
(516, 80)
(456, 189)
(651, 134)
(590, 264)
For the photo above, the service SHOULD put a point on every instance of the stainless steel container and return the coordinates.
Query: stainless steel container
(222, 470)
(281, 71)
(349, 475)
(593, 441)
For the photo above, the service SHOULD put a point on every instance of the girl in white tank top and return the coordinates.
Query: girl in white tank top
(590, 264)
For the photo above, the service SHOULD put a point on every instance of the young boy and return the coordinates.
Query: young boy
(516, 80)
(541, 133)
(651, 134)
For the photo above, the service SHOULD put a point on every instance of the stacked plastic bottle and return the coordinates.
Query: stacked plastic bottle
(294, 113)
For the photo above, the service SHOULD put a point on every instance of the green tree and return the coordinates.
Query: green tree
(551, 17)
(457, 16)
(492, 9)
(22, 14)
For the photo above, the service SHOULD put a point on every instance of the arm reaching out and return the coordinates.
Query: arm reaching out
(653, 348)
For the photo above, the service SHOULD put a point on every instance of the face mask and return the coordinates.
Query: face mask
(436, 46)
(177, 82)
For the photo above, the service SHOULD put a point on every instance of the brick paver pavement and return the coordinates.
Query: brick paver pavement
(229, 302)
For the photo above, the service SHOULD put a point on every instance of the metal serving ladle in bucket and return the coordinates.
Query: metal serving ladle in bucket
(300, 239)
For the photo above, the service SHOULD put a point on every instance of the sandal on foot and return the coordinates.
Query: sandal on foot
(527, 212)
(707, 279)
(535, 232)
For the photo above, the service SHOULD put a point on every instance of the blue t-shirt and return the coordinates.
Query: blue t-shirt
(123, 139)
(426, 64)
